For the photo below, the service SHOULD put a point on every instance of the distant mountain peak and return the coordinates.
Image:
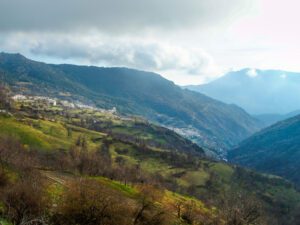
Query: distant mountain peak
(257, 91)
(16, 55)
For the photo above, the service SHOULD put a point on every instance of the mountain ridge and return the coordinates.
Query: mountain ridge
(275, 150)
(216, 125)
(257, 91)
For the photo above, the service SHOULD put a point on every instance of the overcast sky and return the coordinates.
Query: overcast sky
(186, 41)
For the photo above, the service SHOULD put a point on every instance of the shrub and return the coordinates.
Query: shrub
(3, 178)
(88, 202)
(24, 202)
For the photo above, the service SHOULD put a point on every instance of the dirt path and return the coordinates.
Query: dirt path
(56, 177)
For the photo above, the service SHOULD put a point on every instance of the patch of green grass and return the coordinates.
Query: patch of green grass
(5, 222)
(51, 128)
(26, 134)
(283, 194)
(123, 147)
(86, 131)
(196, 178)
(223, 170)
(55, 191)
(127, 190)
(153, 165)
(46, 135)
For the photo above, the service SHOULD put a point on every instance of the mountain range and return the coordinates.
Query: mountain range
(256, 91)
(86, 166)
(275, 150)
(210, 123)
(124, 153)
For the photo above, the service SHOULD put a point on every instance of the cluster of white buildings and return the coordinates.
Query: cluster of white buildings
(47, 100)
(64, 103)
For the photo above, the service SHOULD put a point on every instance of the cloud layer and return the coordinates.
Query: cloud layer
(134, 33)
(114, 15)
(187, 41)
(97, 49)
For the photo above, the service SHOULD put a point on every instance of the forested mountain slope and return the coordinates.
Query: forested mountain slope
(208, 122)
(275, 150)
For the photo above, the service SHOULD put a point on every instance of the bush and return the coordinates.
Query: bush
(3, 178)
(147, 213)
(5, 101)
(14, 155)
(24, 202)
(88, 202)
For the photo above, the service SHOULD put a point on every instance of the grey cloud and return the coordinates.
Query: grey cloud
(114, 15)
(108, 51)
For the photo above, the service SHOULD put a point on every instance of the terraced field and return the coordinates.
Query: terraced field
(140, 155)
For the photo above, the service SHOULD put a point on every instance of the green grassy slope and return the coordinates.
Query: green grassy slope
(155, 151)
(164, 199)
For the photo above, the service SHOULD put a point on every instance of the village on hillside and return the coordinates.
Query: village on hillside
(54, 102)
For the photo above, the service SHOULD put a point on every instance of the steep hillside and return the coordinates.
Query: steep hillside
(256, 91)
(84, 158)
(275, 150)
(208, 122)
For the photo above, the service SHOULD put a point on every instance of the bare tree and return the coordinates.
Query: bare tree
(5, 101)
(88, 202)
(241, 209)
(147, 213)
(24, 202)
